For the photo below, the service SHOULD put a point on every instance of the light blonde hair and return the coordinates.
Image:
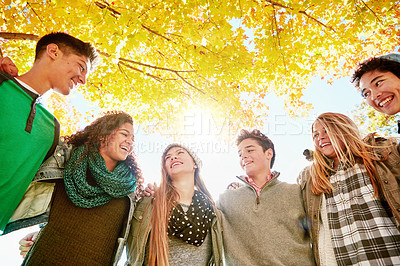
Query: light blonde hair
(165, 198)
(342, 132)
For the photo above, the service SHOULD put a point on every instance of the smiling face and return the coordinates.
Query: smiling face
(323, 143)
(117, 146)
(178, 161)
(69, 71)
(253, 159)
(381, 91)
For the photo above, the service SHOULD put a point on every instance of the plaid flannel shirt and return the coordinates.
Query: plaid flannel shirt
(362, 227)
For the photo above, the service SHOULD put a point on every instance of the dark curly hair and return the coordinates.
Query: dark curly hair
(261, 139)
(375, 63)
(97, 132)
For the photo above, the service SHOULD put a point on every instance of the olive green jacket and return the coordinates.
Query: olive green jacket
(140, 232)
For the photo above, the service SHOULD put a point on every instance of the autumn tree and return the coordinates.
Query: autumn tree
(370, 120)
(161, 58)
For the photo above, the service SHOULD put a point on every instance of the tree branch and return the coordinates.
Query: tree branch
(141, 71)
(106, 5)
(184, 93)
(162, 36)
(279, 40)
(90, 83)
(190, 84)
(147, 65)
(18, 36)
(44, 25)
(301, 12)
(126, 76)
(102, 91)
(156, 33)
(376, 16)
(276, 29)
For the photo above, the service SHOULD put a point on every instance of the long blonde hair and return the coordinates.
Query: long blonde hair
(342, 131)
(165, 198)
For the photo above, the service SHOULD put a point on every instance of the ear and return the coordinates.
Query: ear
(269, 153)
(53, 51)
(103, 141)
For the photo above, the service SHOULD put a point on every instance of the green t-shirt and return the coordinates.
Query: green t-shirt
(28, 135)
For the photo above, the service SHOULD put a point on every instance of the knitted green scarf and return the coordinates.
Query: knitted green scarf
(116, 184)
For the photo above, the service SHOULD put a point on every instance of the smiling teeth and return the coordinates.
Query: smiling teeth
(382, 103)
(177, 163)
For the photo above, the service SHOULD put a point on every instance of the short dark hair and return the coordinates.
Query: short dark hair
(67, 44)
(261, 139)
(375, 63)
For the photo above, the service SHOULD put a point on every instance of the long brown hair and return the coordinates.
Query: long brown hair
(165, 198)
(341, 130)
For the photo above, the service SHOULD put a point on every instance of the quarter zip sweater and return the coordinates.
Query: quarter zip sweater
(264, 229)
(253, 184)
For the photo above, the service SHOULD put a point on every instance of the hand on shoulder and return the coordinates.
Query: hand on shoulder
(26, 243)
(8, 66)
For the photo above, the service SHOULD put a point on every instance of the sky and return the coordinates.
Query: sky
(220, 160)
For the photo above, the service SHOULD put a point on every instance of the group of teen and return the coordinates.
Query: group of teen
(84, 187)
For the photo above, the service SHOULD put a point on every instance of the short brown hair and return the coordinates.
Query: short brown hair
(68, 44)
(261, 139)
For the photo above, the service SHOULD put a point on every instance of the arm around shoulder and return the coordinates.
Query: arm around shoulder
(304, 176)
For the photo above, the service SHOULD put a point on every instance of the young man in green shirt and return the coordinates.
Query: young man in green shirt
(28, 132)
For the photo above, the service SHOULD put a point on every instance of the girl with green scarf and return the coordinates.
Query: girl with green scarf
(93, 203)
